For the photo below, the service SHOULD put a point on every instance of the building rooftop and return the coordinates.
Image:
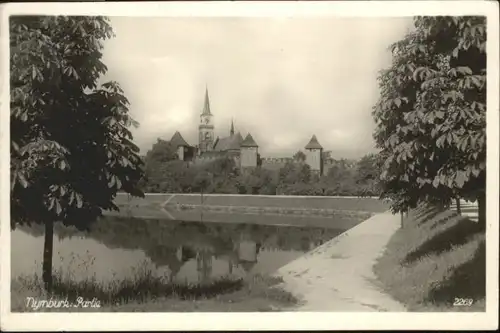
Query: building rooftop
(232, 142)
(249, 142)
(177, 140)
(212, 153)
(313, 143)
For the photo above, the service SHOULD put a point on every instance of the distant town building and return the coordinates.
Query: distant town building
(249, 151)
(245, 152)
(314, 152)
(206, 128)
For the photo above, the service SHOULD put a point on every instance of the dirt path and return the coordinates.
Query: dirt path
(338, 275)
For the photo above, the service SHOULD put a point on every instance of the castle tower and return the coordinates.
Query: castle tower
(206, 127)
(314, 155)
(249, 151)
(180, 145)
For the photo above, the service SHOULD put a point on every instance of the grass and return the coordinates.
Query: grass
(145, 292)
(351, 204)
(436, 258)
(303, 211)
(322, 218)
(324, 212)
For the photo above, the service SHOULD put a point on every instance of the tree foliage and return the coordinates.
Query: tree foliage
(292, 173)
(71, 147)
(344, 177)
(257, 181)
(326, 155)
(202, 181)
(340, 179)
(299, 156)
(431, 115)
(162, 169)
(367, 175)
(161, 152)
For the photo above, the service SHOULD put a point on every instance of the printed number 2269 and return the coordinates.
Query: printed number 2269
(462, 301)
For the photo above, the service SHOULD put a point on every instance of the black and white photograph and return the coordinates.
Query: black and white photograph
(319, 165)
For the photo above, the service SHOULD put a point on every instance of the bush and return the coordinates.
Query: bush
(294, 178)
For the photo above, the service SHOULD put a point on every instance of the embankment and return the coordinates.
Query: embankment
(436, 262)
(338, 275)
(369, 204)
(346, 212)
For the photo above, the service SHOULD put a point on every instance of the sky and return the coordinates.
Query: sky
(281, 79)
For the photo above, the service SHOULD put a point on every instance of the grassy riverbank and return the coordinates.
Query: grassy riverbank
(312, 212)
(371, 205)
(147, 293)
(436, 262)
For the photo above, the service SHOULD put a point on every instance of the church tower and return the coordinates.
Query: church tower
(206, 127)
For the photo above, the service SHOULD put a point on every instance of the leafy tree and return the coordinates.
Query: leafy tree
(71, 149)
(431, 116)
(252, 182)
(367, 168)
(224, 173)
(155, 164)
(202, 181)
(257, 181)
(326, 155)
(367, 174)
(303, 189)
(259, 160)
(299, 157)
(224, 166)
(339, 179)
(163, 170)
(295, 173)
(172, 176)
(161, 152)
(225, 185)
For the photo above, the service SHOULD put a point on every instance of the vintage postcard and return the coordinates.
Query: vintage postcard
(249, 165)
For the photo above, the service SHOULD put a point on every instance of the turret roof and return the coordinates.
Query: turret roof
(313, 143)
(249, 141)
(177, 140)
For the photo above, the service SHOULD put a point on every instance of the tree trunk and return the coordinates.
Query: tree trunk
(459, 209)
(201, 208)
(47, 255)
(481, 203)
(402, 219)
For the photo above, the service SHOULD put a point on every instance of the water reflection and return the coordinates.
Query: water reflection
(181, 252)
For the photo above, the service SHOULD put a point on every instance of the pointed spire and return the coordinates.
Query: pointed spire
(231, 132)
(313, 144)
(206, 105)
(239, 138)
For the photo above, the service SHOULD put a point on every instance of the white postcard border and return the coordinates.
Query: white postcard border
(261, 321)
